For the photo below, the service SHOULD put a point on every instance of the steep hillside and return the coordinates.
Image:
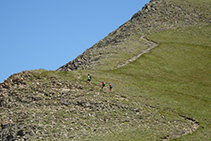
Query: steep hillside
(128, 40)
(159, 63)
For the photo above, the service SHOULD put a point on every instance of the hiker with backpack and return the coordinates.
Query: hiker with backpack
(89, 79)
(103, 84)
(111, 86)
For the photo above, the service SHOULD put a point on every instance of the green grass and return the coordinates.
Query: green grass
(174, 77)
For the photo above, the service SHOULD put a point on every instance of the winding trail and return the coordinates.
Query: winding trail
(151, 46)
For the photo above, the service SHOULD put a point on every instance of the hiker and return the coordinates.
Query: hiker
(103, 84)
(111, 86)
(89, 79)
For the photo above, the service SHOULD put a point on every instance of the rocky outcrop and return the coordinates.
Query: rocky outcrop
(39, 105)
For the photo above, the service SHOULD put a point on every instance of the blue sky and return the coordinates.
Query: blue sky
(47, 34)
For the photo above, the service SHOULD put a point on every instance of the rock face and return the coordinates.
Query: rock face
(157, 15)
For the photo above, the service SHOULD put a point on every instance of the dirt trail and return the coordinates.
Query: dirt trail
(151, 46)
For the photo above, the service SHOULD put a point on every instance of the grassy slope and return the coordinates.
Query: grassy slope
(185, 85)
(173, 77)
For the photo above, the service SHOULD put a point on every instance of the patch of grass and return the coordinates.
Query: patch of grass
(141, 117)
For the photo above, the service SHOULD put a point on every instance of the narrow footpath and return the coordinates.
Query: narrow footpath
(151, 46)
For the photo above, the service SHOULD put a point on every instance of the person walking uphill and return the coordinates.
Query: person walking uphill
(111, 86)
(103, 84)
(89, 79)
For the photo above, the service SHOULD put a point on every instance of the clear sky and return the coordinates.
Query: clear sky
(47, 34)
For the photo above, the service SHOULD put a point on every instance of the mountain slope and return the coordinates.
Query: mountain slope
(126, 41)
(163, 94)
(60, 106)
